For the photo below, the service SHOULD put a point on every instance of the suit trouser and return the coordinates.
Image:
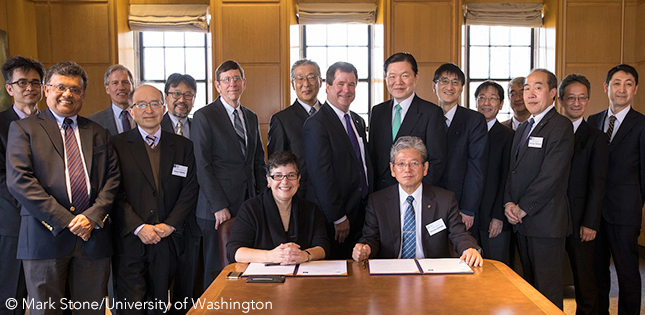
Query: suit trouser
(542, 265)
(619, 242)
(581, 256)
(86, 277)
(497, 248)
(212, 261)
(12, 276)
(189, 277)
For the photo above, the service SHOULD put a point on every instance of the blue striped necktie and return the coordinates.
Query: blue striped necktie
(75, 169)
(409, 231)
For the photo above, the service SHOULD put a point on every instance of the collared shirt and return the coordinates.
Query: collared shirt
(230, 110)
(515, 123)
(403, 206)
(538, 118)
(490, 124)
(307, 107)
(117, 118)
(59, 120)
(576, 124)
(157, 136)
(450, 115)
(21, 114)
(185, 127)
(405, 105)
(620, 116)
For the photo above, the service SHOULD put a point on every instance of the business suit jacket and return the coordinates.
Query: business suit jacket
(285, 134)
(105, 118)
(166, 123)
(500, 139)
(588, 177)
(382, 231)
(225, 175)
(467, 141)
(334, 170)
(625, 192)
(36, 177)
(10, 214)
(538, 178)
(140, 201)
(259, 226)
(424, 120)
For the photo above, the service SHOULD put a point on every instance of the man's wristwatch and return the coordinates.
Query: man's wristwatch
(308, 255)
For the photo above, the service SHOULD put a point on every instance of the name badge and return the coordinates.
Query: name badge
(179, 170)
(535, 142)
(436, 227)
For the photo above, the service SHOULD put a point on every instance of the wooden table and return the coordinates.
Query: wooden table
(492, 289)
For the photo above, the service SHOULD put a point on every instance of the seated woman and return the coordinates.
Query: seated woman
(277, 226)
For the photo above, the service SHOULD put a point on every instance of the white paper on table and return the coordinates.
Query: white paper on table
(323, 268)
(444, 265)
(259, 269)
(393, 266)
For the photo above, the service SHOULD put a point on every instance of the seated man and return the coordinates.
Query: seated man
(391, 232)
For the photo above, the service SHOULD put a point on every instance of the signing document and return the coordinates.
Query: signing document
(323, 268)
(393, 267)
(444, 266)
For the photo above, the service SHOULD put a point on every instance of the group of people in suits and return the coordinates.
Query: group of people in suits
(432, 181)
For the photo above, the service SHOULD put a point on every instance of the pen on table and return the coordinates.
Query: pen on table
(364, 263)
(271, 264)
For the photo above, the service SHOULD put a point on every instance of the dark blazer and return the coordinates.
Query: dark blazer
(424, 120)
(36, 177)
(166, 123)
(139, 201)
(334, 170)
(538, 178)
(10, 213)
(625, 193)
(382, 231)
(258, 225)
(225, 175)
(508, 123)
(467, 141)
(105, 118)
(285, 134)
(500, 139)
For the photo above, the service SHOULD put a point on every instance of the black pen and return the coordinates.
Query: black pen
(271, 264)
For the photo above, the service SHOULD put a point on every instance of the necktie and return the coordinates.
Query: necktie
(178, 129)
(357, 152)
(409, 231)
(75, 170)
(396, 123)
(610, 130)
(151, 141)
(239, 129)
(445, 119)
(312, 110)
(525, 135)
(125, 122)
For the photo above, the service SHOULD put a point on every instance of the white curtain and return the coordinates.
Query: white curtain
(328, 13)
(169, 17)
(505, 14)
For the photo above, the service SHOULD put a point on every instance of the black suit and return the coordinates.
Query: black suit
(143, 272)
(259, 226)
(167, 125)
(335, 174)
(500, 139)
(537, 182)
(382, 231)
(467, 141)
(424, 120)
(226, 177)
(622, 212)
(285, 134)
(12, 275)
(586, 192)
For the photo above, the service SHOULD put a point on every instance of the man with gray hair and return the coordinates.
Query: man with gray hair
(412, 219)
(118, 82)
(285, 129)
(516, 100)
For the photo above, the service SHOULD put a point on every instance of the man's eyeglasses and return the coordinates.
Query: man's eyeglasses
(446, 81)
(403, 165)
(492, 99)
(62, 88)
(177, 95)
(228, 80)
(152, 104)
(514, 94)
(572, 99)
(280, 177)
(22, 83)
(312, 78)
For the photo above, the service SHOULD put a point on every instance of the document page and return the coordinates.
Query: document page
(393, 267)
(323, 268)
(444, 265)
(260, 269)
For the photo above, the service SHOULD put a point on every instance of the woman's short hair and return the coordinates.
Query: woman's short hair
(282, 158)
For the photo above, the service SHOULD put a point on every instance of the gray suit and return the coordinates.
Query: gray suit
(105, 118)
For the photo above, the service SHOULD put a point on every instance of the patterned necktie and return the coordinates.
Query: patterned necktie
(396, 123)
(151, 141)
(239, 129)
(312, 110)
(610, 130)
(75, 169)
(409, 231)
(357, 152)
(525, 136)
(125, 122)
(178, 129)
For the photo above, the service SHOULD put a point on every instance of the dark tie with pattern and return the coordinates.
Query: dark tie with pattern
(125, 122)
(610, 130)
(525, 135)
(409, 231)
(357, 152)
(151, 141)
(239, 130)
(312, 110)
(75, 169)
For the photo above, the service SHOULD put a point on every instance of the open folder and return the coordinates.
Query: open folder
(418, 266)
(320, 268)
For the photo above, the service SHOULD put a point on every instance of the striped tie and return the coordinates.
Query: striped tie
(239, 129)
(151, 141)
(75, 169)
(409, 231)
(610, 130)
(178, 130)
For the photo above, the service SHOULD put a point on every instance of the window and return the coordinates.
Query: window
(497, 53)
(164, 53)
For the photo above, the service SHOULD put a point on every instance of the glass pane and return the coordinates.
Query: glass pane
(200, 98)
(358, 57)
(500, 35)
(174, 39)
(195, 39)
(520, 61)
(472, 86)
(316, 35)
(336, 54)
(294, 54)
(294, 35)
(195, 63)
(521, 36)
(360, 104)
(479, 62)
(152, 39)
(153, 64)
(319, 55)
(337, 35)
(499, 57)
(357, 34)
(175, 60)
(479, 35)
(322, 93)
